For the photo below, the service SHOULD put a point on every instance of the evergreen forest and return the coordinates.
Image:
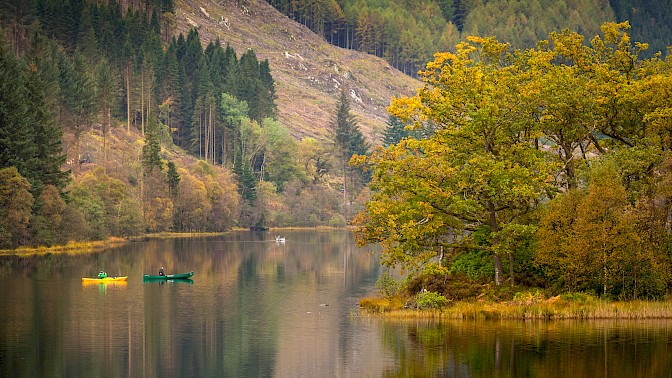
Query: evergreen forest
(408, 33)
(112, 125)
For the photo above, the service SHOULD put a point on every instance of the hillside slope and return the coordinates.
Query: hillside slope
(308, 71)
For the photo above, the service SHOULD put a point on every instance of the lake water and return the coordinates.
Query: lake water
(257, 308)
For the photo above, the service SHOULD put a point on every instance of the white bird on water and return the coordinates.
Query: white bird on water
(280, 239)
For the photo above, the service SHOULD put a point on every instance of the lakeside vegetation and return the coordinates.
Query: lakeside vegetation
(542, 168)
(68, 248)
(512, 304)
(551, 309)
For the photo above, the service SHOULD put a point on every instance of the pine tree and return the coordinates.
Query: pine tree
(106, 91)
(183, 111)
(151, 151)
(16, 143)
(45, 165)
(266, 95)
(173, 179)
(249, 84)
(246, 181)
(348, 138)
(231, 71)
(447, 9)
(394, 132)
(17, 16)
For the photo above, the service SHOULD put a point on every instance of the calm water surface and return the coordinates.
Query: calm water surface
(257, 308)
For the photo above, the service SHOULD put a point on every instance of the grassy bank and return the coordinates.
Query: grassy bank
(70, 248)
(172, 235)
(554, 308)
(94, 246)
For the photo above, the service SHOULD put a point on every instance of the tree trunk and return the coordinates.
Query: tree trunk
(345, 196)
(604, 269)
(511, 273)
(128, 96)
(493, 229)
(142, 101)
(106, 125)
(498, 270)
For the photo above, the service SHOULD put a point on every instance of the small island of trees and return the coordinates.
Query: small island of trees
(547, 172)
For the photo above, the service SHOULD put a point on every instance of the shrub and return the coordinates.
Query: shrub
(577, 297)
(431, 300)
(387, 286)
(528, 297)
(337, 220)
(474, 264)
(455, 287)
(372, 304)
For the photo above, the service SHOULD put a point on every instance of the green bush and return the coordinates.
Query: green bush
(337, 220)
(474, 264)
(431, 300)
(577, 297)
(387, 286)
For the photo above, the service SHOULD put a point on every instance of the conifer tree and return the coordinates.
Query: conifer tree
(151, 151)
(231, 71)
(246, 181)
(173, 179)
(45, 165)
(394, 132)
(348, 139)
(249, 84)
(106, 90)
(266, 95)
(16, 144)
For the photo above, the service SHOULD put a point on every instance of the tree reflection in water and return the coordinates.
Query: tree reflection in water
(469, 348)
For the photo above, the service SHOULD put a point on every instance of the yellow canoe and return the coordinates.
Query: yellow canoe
(104, 280)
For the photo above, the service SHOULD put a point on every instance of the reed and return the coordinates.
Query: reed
(548, 309)
(69, 248)
(173, 235)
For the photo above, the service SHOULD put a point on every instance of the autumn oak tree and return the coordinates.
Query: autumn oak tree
(479, 170)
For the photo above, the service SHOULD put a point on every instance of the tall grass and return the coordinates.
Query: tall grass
(554, 308)
(69, 248)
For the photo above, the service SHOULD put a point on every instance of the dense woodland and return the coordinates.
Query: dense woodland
(112, 126)
(551, 168)
(408, 33)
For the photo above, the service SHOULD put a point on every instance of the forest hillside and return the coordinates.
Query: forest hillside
(308, 71)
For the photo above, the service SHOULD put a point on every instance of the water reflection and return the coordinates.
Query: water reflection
(530, 349)
(254, 308)
(259, 308)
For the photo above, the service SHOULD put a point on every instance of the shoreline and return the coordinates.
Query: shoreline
(550, 309)
(69, 248)
(114, 241)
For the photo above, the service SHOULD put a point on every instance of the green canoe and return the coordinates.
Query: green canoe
(180, 276)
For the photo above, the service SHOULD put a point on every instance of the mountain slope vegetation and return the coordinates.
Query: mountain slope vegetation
(407, 33)
(309, 72)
